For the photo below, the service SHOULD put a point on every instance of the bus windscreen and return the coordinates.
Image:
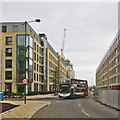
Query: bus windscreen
(64, 88)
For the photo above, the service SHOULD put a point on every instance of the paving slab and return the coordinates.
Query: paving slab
(25, 110)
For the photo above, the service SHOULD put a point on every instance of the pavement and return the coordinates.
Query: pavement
(25, 110)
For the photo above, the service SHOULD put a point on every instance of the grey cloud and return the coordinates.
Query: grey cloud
(91, 28)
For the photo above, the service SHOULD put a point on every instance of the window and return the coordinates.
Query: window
(30, 52)
(37, 48)
(37, 58)
(21, 40)
(21, 64)
(15, 28)
(34, 56)
(115, 79)
(37, 67)
(4, 28)
(30, 64)
(34, 45)
(34, 66)
(37, 77)
(116, 51)
(31, 41)
(8, 64)
(8, 40)
(42, 51)
(34, 76)
(42, 60)
(115, 70)
(8, 52)
(8, 75)
(115, 61)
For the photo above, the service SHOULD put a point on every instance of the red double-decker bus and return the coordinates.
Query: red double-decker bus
(69, 87)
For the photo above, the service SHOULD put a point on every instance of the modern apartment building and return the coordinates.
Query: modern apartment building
(70, 70)
(20, 59)
(108, 72)
(27, 56)
(52, 64)
(62, 68)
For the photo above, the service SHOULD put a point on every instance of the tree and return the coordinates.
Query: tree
(56, 77)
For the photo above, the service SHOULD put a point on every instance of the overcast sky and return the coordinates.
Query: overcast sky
(91, 27)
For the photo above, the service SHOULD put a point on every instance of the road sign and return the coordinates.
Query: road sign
(25, 81)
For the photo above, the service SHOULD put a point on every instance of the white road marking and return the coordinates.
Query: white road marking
(85, 112)
(79, 105)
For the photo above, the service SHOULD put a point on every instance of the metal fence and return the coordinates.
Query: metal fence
(108, 97)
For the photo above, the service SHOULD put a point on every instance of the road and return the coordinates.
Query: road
(75, 108)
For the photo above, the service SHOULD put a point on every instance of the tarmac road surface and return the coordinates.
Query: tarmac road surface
(84, 107)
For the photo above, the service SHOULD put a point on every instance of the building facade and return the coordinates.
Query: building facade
(28, 56)
(70, 70)
(43, 41)
(108, 72)
(21, 57)
(52, 64)
(62, 68)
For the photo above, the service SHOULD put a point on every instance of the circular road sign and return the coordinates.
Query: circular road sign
(25, 81)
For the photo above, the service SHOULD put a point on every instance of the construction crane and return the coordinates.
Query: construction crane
(62, 50)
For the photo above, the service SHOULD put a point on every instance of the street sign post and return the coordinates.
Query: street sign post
(25, 81)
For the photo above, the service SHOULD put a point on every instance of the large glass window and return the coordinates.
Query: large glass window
(26, 64)
(30, 52)
(24, 58)
(8, 75)
(21, 40)
(8, 64)
(8, 40)
(21, 75)
(27, 75)
(31, 41)
(21, 51)
(27, 52)
(30, 76)
(21, 64)
(30, 64)
(8, 52)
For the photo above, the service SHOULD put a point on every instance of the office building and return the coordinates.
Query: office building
(108, 72)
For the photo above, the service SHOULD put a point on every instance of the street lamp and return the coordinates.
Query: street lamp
(36, 20)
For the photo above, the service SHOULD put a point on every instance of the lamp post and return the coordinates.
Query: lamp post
(36, 20)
